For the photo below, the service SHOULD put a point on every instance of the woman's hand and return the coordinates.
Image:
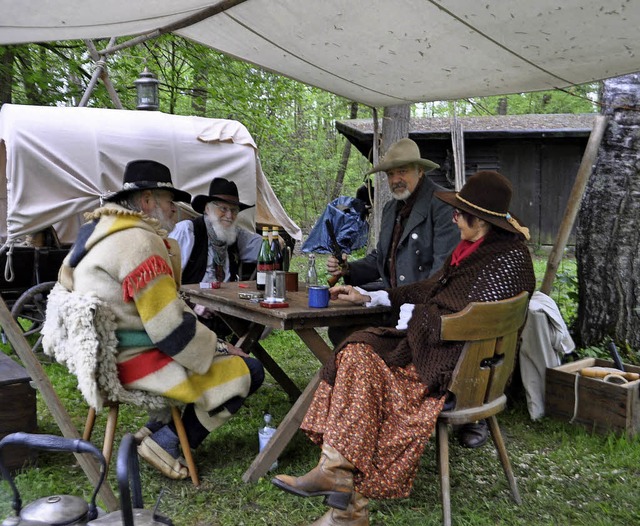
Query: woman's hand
(347, 292)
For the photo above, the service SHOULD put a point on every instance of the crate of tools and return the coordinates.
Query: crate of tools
(596, 394)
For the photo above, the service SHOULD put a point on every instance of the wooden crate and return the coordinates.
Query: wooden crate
(601, 406)
(17, 410)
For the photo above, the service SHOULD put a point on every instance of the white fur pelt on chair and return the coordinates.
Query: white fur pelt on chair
(79, 331)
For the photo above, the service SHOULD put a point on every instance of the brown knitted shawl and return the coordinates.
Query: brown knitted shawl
(499, 269)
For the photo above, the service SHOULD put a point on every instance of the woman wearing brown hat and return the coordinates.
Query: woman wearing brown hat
(378, 401)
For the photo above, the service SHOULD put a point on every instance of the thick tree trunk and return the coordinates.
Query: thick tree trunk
(395, 126)
(608, 236)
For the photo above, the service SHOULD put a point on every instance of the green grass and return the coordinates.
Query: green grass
(566, 475)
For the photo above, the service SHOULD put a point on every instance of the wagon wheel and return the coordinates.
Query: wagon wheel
(31, 308)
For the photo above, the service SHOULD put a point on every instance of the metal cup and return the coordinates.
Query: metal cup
(275, 286)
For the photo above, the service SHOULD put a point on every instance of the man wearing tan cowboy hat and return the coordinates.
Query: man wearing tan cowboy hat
(124, 257)
(416, 233)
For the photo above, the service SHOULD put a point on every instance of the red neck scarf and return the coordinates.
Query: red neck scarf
(463, 250)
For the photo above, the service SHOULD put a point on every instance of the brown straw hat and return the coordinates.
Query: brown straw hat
(486, 195)
(401, 153)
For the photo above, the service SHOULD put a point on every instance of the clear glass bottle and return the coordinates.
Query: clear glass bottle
(265, 434)
(265, 260)
(311, 279)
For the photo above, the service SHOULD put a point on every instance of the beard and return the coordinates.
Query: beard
(227, 234)
(168, 223)
(400, 192)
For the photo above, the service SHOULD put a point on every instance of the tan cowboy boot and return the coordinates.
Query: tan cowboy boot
(357, 514)
(332, 477)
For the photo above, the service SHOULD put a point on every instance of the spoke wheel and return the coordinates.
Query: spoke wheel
(29, 312)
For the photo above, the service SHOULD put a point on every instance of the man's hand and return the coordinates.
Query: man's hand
(202, 311)
(336, 268)
(348, 293)
(236, 350)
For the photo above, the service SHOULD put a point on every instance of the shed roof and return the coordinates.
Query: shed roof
(360, 131)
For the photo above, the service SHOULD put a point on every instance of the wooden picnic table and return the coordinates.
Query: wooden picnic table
(248, 320)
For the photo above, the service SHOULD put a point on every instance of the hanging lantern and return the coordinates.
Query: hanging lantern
(147, 90)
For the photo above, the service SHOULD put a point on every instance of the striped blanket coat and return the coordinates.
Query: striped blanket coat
(126, 259)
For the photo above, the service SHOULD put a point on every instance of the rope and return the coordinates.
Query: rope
(9, 275)
(610, 378)
(575, 399)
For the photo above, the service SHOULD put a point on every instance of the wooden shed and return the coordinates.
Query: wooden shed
(540, 154)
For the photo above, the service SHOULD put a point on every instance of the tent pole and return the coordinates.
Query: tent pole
(103, 73)
(208, 12)
(100, 72)
(377, 197)
(573, 205)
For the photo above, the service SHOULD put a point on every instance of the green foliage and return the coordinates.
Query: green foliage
(564, 290)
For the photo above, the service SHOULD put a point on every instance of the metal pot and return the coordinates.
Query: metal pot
(56, 510)
(131, 508)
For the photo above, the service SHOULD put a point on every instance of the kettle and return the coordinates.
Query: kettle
(131, 509)
(56, 510)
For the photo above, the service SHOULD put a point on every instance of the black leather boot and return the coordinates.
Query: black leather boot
(473, 435)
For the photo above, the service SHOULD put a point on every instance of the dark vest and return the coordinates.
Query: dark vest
(196, 267)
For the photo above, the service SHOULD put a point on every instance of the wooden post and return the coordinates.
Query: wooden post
(573, 205)
(88, 464)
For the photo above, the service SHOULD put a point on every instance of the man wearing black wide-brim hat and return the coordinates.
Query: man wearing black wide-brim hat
(124, 257)
(213, 246)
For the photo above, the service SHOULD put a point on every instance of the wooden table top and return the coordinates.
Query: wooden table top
(298, 315)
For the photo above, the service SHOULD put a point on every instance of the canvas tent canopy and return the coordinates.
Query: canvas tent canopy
(55, 162)
(372, 51)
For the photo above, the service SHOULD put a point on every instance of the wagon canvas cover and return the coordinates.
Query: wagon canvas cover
(55, 162)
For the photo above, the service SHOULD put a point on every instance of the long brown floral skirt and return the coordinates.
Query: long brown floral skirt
(378, 417)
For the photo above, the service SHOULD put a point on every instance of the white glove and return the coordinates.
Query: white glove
(406, 311)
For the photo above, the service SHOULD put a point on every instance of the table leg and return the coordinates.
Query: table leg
(283, 435)
(250, 342)
(292, 421)
(316, 344)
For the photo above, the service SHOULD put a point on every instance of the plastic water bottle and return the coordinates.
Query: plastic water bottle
(264, 435)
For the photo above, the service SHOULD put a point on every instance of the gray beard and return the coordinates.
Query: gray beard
(228, 235)
(402, 196)
(166, 223)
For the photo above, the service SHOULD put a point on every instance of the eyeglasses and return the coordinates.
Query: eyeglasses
(224, 209)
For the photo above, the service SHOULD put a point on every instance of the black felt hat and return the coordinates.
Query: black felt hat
(147, 175)
(220, 189)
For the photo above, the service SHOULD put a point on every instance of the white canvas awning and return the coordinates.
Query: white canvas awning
(55, 162)
(377, 52)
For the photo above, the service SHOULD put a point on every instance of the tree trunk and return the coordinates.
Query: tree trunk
(344, 160)
(608, 235)
(395, 126)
